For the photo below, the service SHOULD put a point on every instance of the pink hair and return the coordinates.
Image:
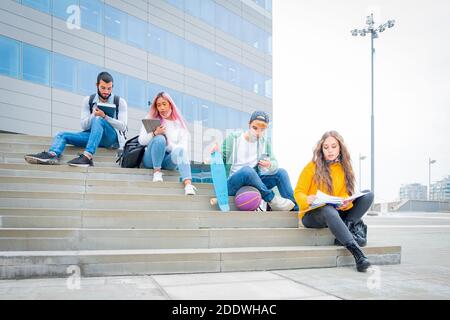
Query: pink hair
(176, 114)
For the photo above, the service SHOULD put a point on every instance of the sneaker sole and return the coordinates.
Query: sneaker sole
(79, 165)
(34, 160)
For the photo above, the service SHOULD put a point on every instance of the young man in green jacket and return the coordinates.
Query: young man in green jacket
(249, 161)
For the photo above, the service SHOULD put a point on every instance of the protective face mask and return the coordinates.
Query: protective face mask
(252, 137)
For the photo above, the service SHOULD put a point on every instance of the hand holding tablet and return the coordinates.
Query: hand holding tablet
(151, 125)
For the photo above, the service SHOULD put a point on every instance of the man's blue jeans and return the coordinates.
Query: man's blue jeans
(247, 176)
(156, 156)
(101, 134)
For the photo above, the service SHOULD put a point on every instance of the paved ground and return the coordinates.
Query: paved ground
(423, 274)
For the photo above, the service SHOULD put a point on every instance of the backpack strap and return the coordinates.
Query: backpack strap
(117, 102)
(91, 102)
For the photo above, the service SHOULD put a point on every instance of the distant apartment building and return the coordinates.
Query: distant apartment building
(441, 190)
(413, 191)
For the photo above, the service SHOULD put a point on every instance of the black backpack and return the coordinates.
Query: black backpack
(132, 154)
(116, 102)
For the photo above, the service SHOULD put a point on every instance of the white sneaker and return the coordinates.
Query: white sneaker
(262, 206)
(157, 176)
(189, 190)
(281, 204)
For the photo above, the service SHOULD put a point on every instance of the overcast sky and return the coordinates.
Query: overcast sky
(322, 82)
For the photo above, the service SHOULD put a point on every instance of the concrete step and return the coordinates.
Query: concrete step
(49, 171)
(23, 138)
(82, 200)
(109, 220)
(48, 239)
(19, 264)
(18, 157)
(31, 148)
(27, 183)
(147, 219)
(116, 173)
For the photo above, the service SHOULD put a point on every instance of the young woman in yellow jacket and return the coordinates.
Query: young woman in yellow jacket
(330, 171)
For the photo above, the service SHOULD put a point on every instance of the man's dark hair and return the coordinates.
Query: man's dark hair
(105, 76)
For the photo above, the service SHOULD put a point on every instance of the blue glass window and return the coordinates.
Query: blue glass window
(269, 44)
(64, 73)
(60, 8)
(220, 117)
(177, 98)
(207, 61)
(36, 64)
(190, 108)
(192, 7)
(155, 41)
(177, 3)
(87, 78)
(207, 12)
(234, 119)
(174, 48)
(9, 57)
(191, 55)
(248, 79)
(269, 5)
(41, 5)
(118, 83)
(268, 88)
(152, 91)
(221, 67)
(253, 36)
(233, 73)
(92, 15)
(115, 23)
(222, 18)
(206, 113)
(234, 24)
(137, 32)
(259, 84)
(245, 117)
(136, 93)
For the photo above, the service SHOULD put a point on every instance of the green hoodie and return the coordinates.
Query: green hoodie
(229, 151)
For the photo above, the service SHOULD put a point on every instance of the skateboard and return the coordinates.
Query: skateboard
(219, 179)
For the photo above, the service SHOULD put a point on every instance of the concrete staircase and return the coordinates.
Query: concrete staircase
(113, 221)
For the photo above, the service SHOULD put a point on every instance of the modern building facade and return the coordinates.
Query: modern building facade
(213, 56)
(413, 191)
(440, 190)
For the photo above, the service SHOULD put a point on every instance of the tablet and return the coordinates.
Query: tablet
(108, 108)
(151, 124)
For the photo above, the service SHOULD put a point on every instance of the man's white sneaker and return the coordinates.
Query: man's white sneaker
(281, 204)
(157, 176)
(189, 190)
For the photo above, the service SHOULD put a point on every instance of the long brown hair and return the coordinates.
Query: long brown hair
(322, 175)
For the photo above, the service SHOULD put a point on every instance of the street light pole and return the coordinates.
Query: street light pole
(372, 119)
(360, 158)
(430, 162)
(373, 35)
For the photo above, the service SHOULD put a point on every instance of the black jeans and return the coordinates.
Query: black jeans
(330, 217)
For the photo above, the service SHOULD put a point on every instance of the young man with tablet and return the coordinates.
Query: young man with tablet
(99, 129)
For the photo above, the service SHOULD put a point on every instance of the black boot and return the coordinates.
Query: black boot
(358, 231)
(362, 263)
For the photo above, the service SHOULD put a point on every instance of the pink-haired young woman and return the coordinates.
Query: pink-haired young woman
(167, 147)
